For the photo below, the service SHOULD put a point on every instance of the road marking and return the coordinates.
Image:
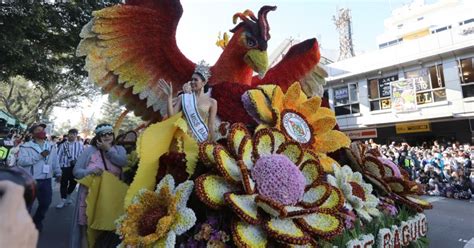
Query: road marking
(470, 243)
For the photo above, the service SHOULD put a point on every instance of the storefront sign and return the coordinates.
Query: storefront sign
(362, 134)
(419, 78)
(413, 127)
(403, 96)
(341, 94)
(384, 85)
(395, 236)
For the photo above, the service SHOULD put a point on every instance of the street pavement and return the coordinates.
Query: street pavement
(450, 224)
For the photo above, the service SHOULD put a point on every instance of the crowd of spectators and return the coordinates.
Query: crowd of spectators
(443, 168)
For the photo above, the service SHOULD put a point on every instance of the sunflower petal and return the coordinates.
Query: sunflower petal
(261, 105)
(244, 206)
(210, 189)
(316, 195)
(279, 137)
(182, 193)
(277, 100)
(227, 165)
(298, 212)
(398, 185)
(185, 219)
(206, 152)
(245, 152)
(374, 166)
(309, 107)
(294, 96)
(327, 162)
(292, 150)
(335, 201)
(237, 133)
(380, 184)
(285, 230)
(321, 224)
(167, 242)
(323, 125)
(312, 171)
(308, 155)
(268, 90)
(330, 141)
(247, 235)
(247, 181)
(264, 143)
(166, 182)
(270, 206)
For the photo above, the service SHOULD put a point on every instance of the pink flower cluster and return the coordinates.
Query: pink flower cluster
(279, 179)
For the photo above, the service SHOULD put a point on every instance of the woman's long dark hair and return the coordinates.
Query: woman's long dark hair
(97, 137)
(206, 86)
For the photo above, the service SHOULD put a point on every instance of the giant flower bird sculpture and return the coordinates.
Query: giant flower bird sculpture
(155, 218)
(357, 193)
(273, 185)
(129, 47)
(389, 178)
(300, 118)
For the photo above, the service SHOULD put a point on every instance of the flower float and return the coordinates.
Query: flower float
(358, 194)
(274, 187)
(388, 177)
(299, 118)
(154, 218)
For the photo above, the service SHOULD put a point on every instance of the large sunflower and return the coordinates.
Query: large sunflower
(357, 193)
(387, 177)
(299, 118)
(155, 217)
(277, 176)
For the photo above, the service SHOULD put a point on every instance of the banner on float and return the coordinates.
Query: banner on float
(403, 96)
(395, 236)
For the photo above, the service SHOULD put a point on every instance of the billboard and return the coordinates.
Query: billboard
(403, 96)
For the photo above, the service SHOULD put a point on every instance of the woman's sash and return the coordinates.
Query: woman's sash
(194, 119)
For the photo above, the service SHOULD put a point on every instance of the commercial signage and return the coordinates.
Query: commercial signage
(413, 127)
(384, 85)
(362, 134)
(341, 93)
(403, 96)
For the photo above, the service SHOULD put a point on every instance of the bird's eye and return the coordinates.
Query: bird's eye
(251, 42)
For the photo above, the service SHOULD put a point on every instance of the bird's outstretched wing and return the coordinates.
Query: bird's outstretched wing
(295, 65)
(129, 47)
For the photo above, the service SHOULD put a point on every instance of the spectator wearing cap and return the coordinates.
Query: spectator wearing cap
(68, 153)
(39, 158)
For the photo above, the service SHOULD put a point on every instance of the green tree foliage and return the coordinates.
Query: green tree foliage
(111, 112)
(38, 43)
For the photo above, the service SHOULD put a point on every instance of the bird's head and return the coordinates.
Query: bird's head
(253, 33)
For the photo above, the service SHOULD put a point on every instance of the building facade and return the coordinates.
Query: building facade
(419, 88)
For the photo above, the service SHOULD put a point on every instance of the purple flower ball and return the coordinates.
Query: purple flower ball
(279, 179)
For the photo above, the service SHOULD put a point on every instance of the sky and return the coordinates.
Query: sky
(202, 21)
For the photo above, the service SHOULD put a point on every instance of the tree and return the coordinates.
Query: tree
(29, 102)
(38, 43)
(111, 111)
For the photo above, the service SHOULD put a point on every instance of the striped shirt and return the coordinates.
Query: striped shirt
(69, 151)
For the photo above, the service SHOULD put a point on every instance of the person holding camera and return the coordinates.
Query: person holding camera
(39, 158)
(68, 152)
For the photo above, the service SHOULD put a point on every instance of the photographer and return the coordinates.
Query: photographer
(68, 152)
(39, 158)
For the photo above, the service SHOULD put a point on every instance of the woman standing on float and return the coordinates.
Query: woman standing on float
(198, 107)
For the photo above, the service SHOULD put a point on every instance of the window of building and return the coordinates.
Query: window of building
(346, 100)
(466, 74)
(429, 84)
(379, 92)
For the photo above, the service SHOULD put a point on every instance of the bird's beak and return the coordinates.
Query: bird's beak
(258, 61)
